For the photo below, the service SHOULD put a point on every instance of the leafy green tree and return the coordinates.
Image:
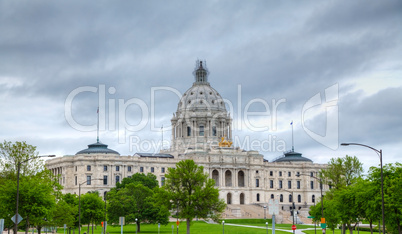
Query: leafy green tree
(91, 209)
(342, 173)
(368, 199)
(190, 192)
(392, 194)
(148, 180)
(38, 187)
(12, 153)
(66, 211)
(135, 199)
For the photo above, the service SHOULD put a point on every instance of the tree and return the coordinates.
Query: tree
(135, 199)
(91, 209)
(392, 194)
(12, 153)
(191, 193)
(38, 187)
(148, 180)
(342, 173)
(66, 211)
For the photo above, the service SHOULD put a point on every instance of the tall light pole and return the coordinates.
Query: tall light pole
(79, 203)
(293, 206)
(18, 187)
(265, 212)
(379, 152)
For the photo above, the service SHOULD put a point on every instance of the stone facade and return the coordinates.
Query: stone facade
(199, 124)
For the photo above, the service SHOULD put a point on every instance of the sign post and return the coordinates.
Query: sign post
(273, 205)
(121, 221)
(1, 225)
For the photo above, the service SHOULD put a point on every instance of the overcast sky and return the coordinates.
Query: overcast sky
(334, 68)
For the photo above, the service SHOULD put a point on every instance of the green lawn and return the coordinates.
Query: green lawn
(337, 231)
(197, 227)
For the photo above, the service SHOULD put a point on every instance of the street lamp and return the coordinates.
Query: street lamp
(265, 212)
(293, 206)
(18, 187)
(379, 152)
(79, 203)
(223, 226)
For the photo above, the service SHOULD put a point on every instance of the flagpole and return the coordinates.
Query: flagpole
(97, 127)
(162, 136)
(293, 146)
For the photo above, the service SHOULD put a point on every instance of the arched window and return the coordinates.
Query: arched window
(240, 178)
(229, 198)
(299, 198)
(281, 198)
(215, 176)
(313, 199)
(241, 198)
(272, 196)
(228, 178)
(258, 197)
(188, 131)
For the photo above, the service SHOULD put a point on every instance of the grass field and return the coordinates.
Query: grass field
(200, 227)
(337, 231)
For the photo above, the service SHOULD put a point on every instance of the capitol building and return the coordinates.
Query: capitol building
(201, 131)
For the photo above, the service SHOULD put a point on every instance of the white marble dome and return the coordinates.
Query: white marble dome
(201, 96)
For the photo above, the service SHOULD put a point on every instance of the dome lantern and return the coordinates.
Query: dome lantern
(200, 72)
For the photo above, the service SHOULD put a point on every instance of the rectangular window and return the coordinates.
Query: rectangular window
(105, 179)
(88, 168)
(280, 184)
(152, 169)
(214, 131)
(257, 183)
(117, 179)
(289, 174)
(201, 130)
(141, 169)
(163, 170)
(129, 168)
(271, 184)
(188, 131)
(76, 183)
(162, 181)
(312, 184)
(88, 180)
(311, 174)
(117, 168)
(104, 168)
(271, 173)
(289, 184)
(280, 173)
(298, 184)
(75, 168)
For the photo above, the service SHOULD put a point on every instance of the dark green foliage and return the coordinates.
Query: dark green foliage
(135, 198)
(148, 180)
(190, 193)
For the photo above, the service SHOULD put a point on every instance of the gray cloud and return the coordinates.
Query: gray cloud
(273, 50)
